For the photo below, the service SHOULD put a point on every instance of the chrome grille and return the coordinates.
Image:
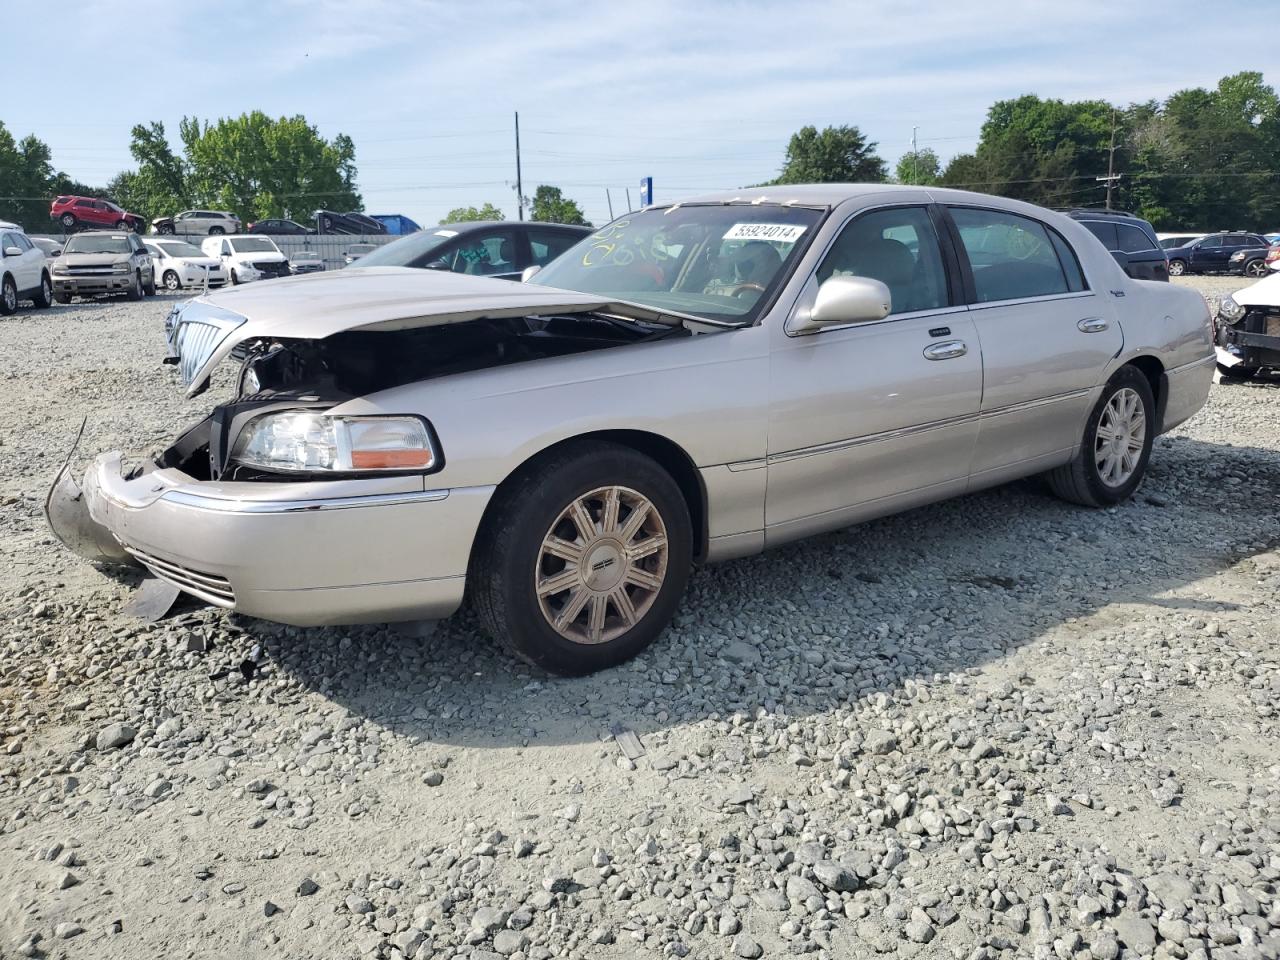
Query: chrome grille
(207, 586)
(195, 330)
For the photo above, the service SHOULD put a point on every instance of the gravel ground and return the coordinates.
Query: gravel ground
(996, 727)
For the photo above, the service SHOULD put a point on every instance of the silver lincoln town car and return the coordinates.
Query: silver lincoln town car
(691, 383)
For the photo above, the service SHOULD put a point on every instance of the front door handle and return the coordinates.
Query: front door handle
(946, 350)
(1092, 325)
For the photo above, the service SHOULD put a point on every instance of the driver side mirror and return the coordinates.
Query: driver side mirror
(527, 273)
(846, 300)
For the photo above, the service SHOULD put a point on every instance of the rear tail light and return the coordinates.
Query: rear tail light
(1273, 254)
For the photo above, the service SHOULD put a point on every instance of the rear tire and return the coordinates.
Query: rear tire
(1116, 446)
(559, 576)
(216, 231)
(1255, 269)
(44, 295)
(1237, 372)
(1177, 268)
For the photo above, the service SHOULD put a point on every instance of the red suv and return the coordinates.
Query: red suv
(76, 213)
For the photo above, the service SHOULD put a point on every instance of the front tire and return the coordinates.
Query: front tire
(165, 229)
(8, 297)
(135, 291)
(582, 560)
(1115, 449)
(234, 279)
(44, 295)
(171, 281)
(1177, 268)
(124, 225)
(62, 297)
(151, 286)
(68, 221)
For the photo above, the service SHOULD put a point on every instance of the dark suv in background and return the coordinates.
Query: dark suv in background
(1129, 238)
(1213, 254)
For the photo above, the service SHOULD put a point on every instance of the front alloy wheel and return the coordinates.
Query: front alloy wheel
(601, 565)
(582, 558)
(8, 297)
(171, 281)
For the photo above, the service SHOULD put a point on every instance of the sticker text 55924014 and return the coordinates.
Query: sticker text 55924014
(777, 232)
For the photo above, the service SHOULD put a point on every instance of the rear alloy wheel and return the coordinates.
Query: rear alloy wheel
(8, 297)
(171, 281)
(583, 560)
(1113, 454)
(1255, 268)
(216, 231)
(1177, 268)
(44, 295)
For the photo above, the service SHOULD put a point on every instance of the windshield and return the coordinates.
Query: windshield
(176, 248)
(410, 251)
(721, 262)
(305, 255)
(100, 243)
(253, 245)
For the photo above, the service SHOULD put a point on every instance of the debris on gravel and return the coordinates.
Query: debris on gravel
(998, 727)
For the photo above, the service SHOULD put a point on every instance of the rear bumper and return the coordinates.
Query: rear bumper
(1185, 390)
(300, 553)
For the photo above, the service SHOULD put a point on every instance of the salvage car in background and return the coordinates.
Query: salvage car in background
(356, 251)
(198, 223)
(248, 258)
(397, 223)
(179, 264)
(490, 248)
(306, 261)
(101, 262)
(692, 382)
(1248, 330)
(351, 224)
(1251, 261)
(285, 228)
(50, 248)
(1128, 238)
(89, 213)
(24, 272)
(1211, 253)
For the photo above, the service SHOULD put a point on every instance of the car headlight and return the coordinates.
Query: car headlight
(60, 270)
(120, 268)
(1230, 311)
(302, 442)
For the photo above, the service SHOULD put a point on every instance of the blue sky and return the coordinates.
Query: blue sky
(699, 95)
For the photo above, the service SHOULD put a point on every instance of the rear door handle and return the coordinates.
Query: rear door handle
(1092, 325)
(946, 350)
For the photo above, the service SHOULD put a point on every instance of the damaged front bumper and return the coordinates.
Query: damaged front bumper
(303, 553)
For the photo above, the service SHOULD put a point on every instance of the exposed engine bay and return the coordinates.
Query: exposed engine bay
(319, 374)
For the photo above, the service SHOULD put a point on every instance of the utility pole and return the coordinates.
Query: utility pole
(519, 184)
(1111, 159)
(915, 157)
(610, 200)
(628, 199)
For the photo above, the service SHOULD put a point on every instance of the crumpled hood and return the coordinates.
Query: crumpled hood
(311, 307)
(1264, 293)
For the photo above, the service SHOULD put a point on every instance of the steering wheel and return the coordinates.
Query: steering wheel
(739, 289)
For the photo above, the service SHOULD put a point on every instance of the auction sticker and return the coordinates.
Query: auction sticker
(777, 232)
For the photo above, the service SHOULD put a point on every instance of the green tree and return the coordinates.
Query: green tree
(26, 180)
(259, 167)
(920, 167)
(468, 214)
(836, 155)
(158, 188)
(551, 206)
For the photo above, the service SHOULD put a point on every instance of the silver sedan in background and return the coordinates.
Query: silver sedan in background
(691, 383)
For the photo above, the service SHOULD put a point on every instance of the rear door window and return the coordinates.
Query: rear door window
(1133, 240)
(1012, 257)
(1106, 232)
(546, 245)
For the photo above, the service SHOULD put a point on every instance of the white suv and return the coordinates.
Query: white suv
(248, 257)
(24, 275)
(180, 264)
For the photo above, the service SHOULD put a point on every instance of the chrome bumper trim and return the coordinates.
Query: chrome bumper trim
(221, 505)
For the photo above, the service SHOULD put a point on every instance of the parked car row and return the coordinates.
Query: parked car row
(75, 213)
